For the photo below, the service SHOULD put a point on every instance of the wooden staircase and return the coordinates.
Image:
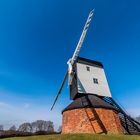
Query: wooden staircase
(130, 125)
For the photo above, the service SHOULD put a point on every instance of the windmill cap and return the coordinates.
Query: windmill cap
(89, 62)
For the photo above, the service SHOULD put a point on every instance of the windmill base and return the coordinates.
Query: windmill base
(91, 120)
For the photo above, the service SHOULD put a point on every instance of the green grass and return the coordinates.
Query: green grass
(78, 137)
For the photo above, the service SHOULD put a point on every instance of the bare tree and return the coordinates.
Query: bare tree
(41, 125)
(12, 128)
(34, 127)
(25, 127)
(50, 126)
(1, 128)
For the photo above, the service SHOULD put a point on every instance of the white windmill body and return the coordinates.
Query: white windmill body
(89, 78)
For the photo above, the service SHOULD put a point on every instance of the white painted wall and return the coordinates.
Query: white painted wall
(85, 80)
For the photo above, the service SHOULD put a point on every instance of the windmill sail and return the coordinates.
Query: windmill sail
(62, 85)
(81, 40)
(78, 47)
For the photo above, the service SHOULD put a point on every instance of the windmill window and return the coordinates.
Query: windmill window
(88, 68)
(95, 80)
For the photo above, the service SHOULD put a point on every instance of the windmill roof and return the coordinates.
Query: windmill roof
(89, 62)
(89, 101)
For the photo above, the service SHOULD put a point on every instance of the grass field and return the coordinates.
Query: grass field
(78, 137)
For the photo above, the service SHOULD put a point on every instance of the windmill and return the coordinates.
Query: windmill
(93, 109)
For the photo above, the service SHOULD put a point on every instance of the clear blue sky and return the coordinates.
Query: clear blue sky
(37, 37)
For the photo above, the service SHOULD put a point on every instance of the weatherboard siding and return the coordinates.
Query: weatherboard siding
(85, 80)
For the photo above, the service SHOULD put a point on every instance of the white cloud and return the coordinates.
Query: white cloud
(2, 104)
(10, 114)
(26, 105)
